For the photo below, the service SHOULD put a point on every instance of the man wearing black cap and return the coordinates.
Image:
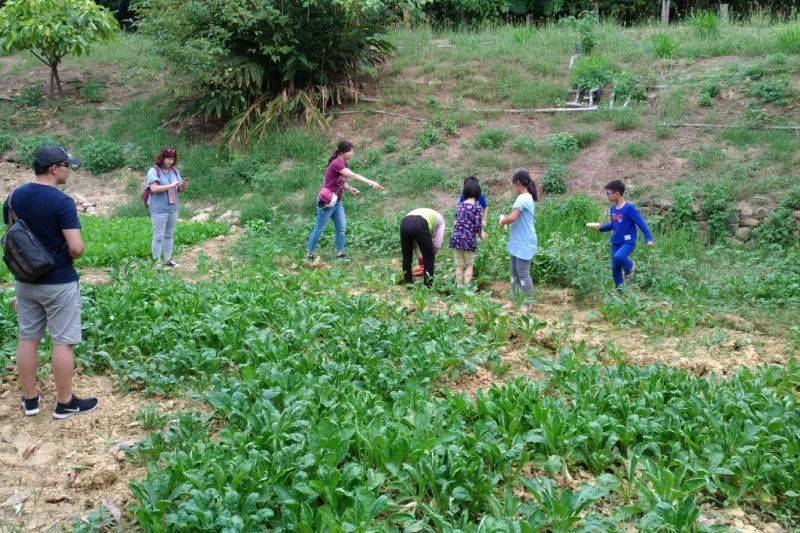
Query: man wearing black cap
(53, 301)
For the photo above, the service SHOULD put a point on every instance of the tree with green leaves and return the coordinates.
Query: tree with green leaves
(54, 29)
(264, 62)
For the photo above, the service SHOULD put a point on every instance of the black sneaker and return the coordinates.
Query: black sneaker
(171, 264)
(341, 255)
(30, 405)
(310, 258)
(76, 406)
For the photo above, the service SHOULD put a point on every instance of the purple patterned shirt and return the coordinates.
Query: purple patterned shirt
(469, 224)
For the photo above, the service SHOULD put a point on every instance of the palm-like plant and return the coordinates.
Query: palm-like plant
(262, 62)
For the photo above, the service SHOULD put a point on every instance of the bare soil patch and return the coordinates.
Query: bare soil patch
(61, 468)
(105, 191)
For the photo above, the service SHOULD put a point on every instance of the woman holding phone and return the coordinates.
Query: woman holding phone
(165, 184)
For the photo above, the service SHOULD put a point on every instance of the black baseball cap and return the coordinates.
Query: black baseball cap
(52, 154)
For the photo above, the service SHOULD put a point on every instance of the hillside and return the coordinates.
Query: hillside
(248, 390)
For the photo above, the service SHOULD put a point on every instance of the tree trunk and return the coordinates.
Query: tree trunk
(596, 9)
(665, 12)
(55, 80)
(724, 13)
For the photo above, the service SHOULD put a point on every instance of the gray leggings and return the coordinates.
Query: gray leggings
(163, 231)
(520, 276)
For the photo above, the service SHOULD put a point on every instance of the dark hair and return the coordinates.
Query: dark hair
(40, 170)
(522, 176)
(616, 186)
(165, 153)
(472, 189)
(343, 147)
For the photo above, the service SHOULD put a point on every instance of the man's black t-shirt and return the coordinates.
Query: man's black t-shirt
(47, 211)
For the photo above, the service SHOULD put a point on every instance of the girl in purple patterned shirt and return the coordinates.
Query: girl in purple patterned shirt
(469, 224)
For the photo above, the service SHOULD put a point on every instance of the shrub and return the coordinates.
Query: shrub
(390, 145)
(778, 228)
(789, 39)
(717, 206)
(792, 200)
(26, 147)
(32, 94)
(93, 92)
(427, 137)
(585, 138)
(371, 157)
(553, 180)
(627, 86)
(522, 35)
(524, 144)
(563, 145)
(705, 23)
(302, 59)
(771, 90)
(663, 45)
(592, 71)
(705, 100)
(491, 139)
(586, 30)
(710, 89)
(754, 71)
(6, 142)
(102, 156)
(682, 209)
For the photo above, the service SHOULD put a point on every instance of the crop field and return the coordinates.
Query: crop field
(249, 391)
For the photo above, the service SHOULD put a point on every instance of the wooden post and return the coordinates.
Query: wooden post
(665, 12)
(724, 14)
(596, 9)
(529, 19)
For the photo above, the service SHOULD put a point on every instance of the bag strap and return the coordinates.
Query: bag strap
(12, 215)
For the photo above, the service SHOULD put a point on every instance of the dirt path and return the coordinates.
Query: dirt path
(195, 263)
(52, 469)
(93, 194)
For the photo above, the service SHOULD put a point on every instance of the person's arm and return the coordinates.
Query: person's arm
(608, 226)
(507, 220)
(6, 217)
(639, 220)
(351, 190)
(349, 174)
(74, 242)
(485, 206)
(438, 234)
(71, 227)
(479, 225)
(182, 182)
(157, 188)
(154, 186)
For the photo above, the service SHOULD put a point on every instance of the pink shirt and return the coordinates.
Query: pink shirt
(334, 180)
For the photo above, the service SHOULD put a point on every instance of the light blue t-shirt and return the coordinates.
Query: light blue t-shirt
(522, 242)
(159, 202)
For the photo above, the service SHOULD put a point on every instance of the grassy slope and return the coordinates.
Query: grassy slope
(229, 346)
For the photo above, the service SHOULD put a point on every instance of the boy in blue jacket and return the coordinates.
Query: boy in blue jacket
(625, 218)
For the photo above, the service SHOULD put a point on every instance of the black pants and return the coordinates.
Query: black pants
(414, 230)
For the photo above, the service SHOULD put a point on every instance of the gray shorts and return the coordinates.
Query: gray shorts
(56, 307)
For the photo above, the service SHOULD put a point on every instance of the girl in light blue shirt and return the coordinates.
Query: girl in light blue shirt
(522, 241)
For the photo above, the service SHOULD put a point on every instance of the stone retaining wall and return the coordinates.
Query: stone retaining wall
(741, 224)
